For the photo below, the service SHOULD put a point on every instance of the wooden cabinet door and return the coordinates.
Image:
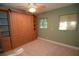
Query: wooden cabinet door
(22, 29)
(6, 43)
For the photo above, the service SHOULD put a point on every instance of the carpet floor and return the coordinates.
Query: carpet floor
(42, 48)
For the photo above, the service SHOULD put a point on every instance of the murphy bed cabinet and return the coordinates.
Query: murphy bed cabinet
(16, 29)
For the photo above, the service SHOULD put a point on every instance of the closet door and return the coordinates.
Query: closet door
(22, 29)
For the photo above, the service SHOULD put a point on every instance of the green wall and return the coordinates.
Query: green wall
(52, 32)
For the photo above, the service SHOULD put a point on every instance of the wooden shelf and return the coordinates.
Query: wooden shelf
(3, 18)
(4, 31)
(6, 36)
(3, 24)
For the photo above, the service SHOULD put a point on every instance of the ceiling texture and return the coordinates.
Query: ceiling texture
(23, 6)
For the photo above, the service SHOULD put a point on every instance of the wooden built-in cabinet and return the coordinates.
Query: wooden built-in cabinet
(16, 29)
(5, 43)
(22, 28)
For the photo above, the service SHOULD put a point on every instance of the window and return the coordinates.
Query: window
(68, 22)
(43, 23)
(63, 25)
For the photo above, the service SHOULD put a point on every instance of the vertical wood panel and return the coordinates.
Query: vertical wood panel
(22, 29)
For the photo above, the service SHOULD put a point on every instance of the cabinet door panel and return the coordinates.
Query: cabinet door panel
(6, 43)
(21, 28)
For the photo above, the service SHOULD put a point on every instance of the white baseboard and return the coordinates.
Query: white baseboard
(62, 44)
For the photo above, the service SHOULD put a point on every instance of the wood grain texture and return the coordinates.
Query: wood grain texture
(22, 29)
(6, 44)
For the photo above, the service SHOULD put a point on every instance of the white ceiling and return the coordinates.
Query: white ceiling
(48, 6)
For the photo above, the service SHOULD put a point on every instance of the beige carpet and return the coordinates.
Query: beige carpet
(42, 48)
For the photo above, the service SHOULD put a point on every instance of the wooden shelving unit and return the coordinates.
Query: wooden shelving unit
(16, 35)
(4, 32)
